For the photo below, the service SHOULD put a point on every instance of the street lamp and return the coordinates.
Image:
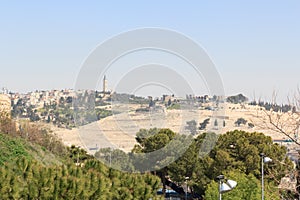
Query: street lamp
(264, 159)
(225, 187)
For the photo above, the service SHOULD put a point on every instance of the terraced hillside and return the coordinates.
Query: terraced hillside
(118, 131)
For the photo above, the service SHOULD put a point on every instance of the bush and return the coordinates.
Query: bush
(240, 121)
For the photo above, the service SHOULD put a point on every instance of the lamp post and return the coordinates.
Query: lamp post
(264, 159)
(225, 187)
(220, 178)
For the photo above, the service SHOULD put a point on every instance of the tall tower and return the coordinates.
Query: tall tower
(104, 84)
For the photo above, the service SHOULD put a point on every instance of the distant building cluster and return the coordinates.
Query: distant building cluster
(40, 98)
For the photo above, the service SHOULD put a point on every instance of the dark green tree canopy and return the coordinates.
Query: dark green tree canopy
(240, 150)
(237, 99)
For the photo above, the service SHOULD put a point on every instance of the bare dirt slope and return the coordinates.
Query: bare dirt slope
(118, 131)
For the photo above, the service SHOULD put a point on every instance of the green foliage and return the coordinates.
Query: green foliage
(185, 165)
(174, 106)
(250, 125)
(204, 124)
(216, 122)
(115, 158)
(11, 148)
(78, 155)
(191, 127)
(62, 113)
(240, 150)
(150, 141)
(237, 99)
(128, 98)
(29, 180)
(248, 188)
(65, 116)
(275, 107)
(240, 121)
(170, 145)
(142, 109)
(235, 154)
(24, 177)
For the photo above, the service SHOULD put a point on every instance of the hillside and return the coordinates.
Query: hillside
(118, 131)
(13, 148)
(34, 164)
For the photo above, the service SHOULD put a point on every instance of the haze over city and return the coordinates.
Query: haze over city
(254, 45)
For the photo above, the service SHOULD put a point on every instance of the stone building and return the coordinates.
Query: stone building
(5, 103)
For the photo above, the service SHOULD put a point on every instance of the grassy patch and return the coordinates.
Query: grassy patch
(174, 106)
(12, 148)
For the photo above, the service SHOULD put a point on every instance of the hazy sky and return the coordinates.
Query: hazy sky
(255, 45)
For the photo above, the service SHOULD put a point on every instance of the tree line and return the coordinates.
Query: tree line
(235, 154)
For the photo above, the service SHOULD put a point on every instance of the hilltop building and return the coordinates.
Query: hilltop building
(5, 103)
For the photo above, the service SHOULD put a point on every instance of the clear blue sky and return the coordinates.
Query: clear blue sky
(255, 44)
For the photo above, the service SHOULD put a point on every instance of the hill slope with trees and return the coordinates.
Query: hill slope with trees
(35, 165)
